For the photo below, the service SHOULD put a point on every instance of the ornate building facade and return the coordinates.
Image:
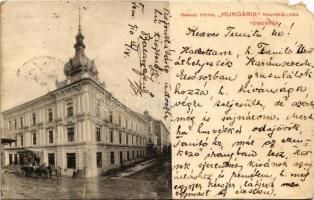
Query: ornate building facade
(79, 125)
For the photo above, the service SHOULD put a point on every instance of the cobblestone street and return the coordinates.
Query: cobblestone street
(149, 183)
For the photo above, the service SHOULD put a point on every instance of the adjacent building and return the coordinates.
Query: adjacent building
(79, 125)
(159, 135)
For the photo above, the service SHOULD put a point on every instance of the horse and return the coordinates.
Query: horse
(54, 172)
(41, 172)
(27, 171)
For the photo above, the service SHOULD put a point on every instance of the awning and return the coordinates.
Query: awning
(29, 150)
(7, 139)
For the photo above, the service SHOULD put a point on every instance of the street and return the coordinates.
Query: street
(149, 182)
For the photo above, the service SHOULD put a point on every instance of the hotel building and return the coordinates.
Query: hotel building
(79, 125)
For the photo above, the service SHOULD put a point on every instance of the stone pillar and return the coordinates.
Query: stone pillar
(79, 132)
(5, 157)
(25, 138)
(80, 157)
(45, 157)
(59, 135)
(85, 131)
(90, 161)
(87, 103)
(42, 137)
(60, 157)
(18, 158)
(58, 109)
(91, 132)
(82, 131)
(79, 110)
(62, 111)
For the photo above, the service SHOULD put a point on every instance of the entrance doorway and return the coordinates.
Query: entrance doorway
(71, 160)
(121, 158)
(10, 159)
(22, 159)
(15, 159)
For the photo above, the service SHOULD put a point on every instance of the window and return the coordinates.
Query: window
(70, 134)
(133, 154)
(112, 157)
(50, 136)
(10, 125)
(121, 158)
(34, 119)
(127, 139)
(15, 124)
(98, 159)
(111, 135)
(126, 123)
(15, 159)
(21, 122)
(70, 109)
(120, 120)
(10, 159)
(50, 117)
(128, 155)
(51, 159)
(120, 138)
(98, 136)
(71, 161)
(110, 117)
(22, 140)
(34, 138)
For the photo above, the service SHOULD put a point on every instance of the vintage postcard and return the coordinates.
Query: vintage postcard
(156, 100)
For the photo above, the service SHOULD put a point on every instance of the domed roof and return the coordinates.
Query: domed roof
(80, 62)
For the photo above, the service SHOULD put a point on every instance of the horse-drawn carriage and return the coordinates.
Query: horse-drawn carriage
(40, 171)
(31, 167)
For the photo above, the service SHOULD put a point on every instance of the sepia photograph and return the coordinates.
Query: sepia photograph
(119, 99)
(82, 112)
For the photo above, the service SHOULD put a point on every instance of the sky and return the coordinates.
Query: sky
(38, 37)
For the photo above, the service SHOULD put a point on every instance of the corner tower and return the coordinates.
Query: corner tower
(80, 63)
